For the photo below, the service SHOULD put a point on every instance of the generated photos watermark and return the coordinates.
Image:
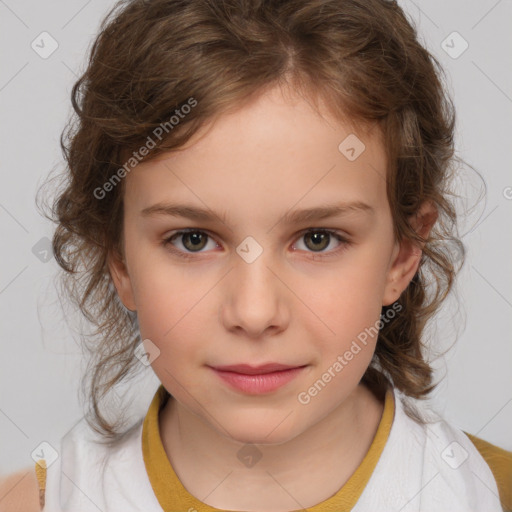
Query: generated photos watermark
(137, 156)
(304, 397)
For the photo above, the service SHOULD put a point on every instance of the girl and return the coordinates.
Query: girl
(258, 208)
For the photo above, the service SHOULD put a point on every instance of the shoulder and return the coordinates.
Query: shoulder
(20, 491)
(500, 463)
(441, 447)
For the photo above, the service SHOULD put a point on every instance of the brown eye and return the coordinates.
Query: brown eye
(316, 241)
(194, 240)
(187, 242)
(319, 240)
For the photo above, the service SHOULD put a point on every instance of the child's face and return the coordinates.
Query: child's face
(302, 302)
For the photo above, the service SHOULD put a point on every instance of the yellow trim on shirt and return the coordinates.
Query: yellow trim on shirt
(500, 462)
(173, 496)
(41, 480)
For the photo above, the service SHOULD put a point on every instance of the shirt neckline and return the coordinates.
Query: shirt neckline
(172, 495)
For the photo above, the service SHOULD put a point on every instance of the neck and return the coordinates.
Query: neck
(299, 473)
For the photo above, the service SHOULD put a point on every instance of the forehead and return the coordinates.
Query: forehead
(265, 157)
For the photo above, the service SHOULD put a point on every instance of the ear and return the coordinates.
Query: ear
(122, 281)
(407, 255)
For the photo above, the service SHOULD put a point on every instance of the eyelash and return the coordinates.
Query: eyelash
(318, 255)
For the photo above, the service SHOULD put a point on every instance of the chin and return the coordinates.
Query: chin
(263, 430)
(260, 437)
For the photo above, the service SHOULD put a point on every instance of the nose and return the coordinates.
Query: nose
(254, 299)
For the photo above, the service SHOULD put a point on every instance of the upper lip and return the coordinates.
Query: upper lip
(248, 369)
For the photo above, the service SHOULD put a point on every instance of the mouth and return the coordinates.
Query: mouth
(256, 380)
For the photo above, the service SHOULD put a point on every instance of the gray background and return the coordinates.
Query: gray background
(41, 362)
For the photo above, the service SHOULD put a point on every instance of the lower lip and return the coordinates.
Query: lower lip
(261, 383)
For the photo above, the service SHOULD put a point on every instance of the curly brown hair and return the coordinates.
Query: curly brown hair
(152, 57)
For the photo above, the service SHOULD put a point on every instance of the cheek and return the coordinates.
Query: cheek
(165, 298)
(171, 321)
(347, 301)
(345, 325)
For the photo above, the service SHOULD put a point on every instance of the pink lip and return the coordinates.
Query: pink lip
(260, 379)
(248, 369)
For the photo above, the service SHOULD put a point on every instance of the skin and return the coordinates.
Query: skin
(20, 491)
(296, 304)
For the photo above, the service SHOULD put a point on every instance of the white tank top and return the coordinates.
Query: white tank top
(422, 468)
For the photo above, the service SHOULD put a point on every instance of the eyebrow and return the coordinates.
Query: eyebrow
(291, 217)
